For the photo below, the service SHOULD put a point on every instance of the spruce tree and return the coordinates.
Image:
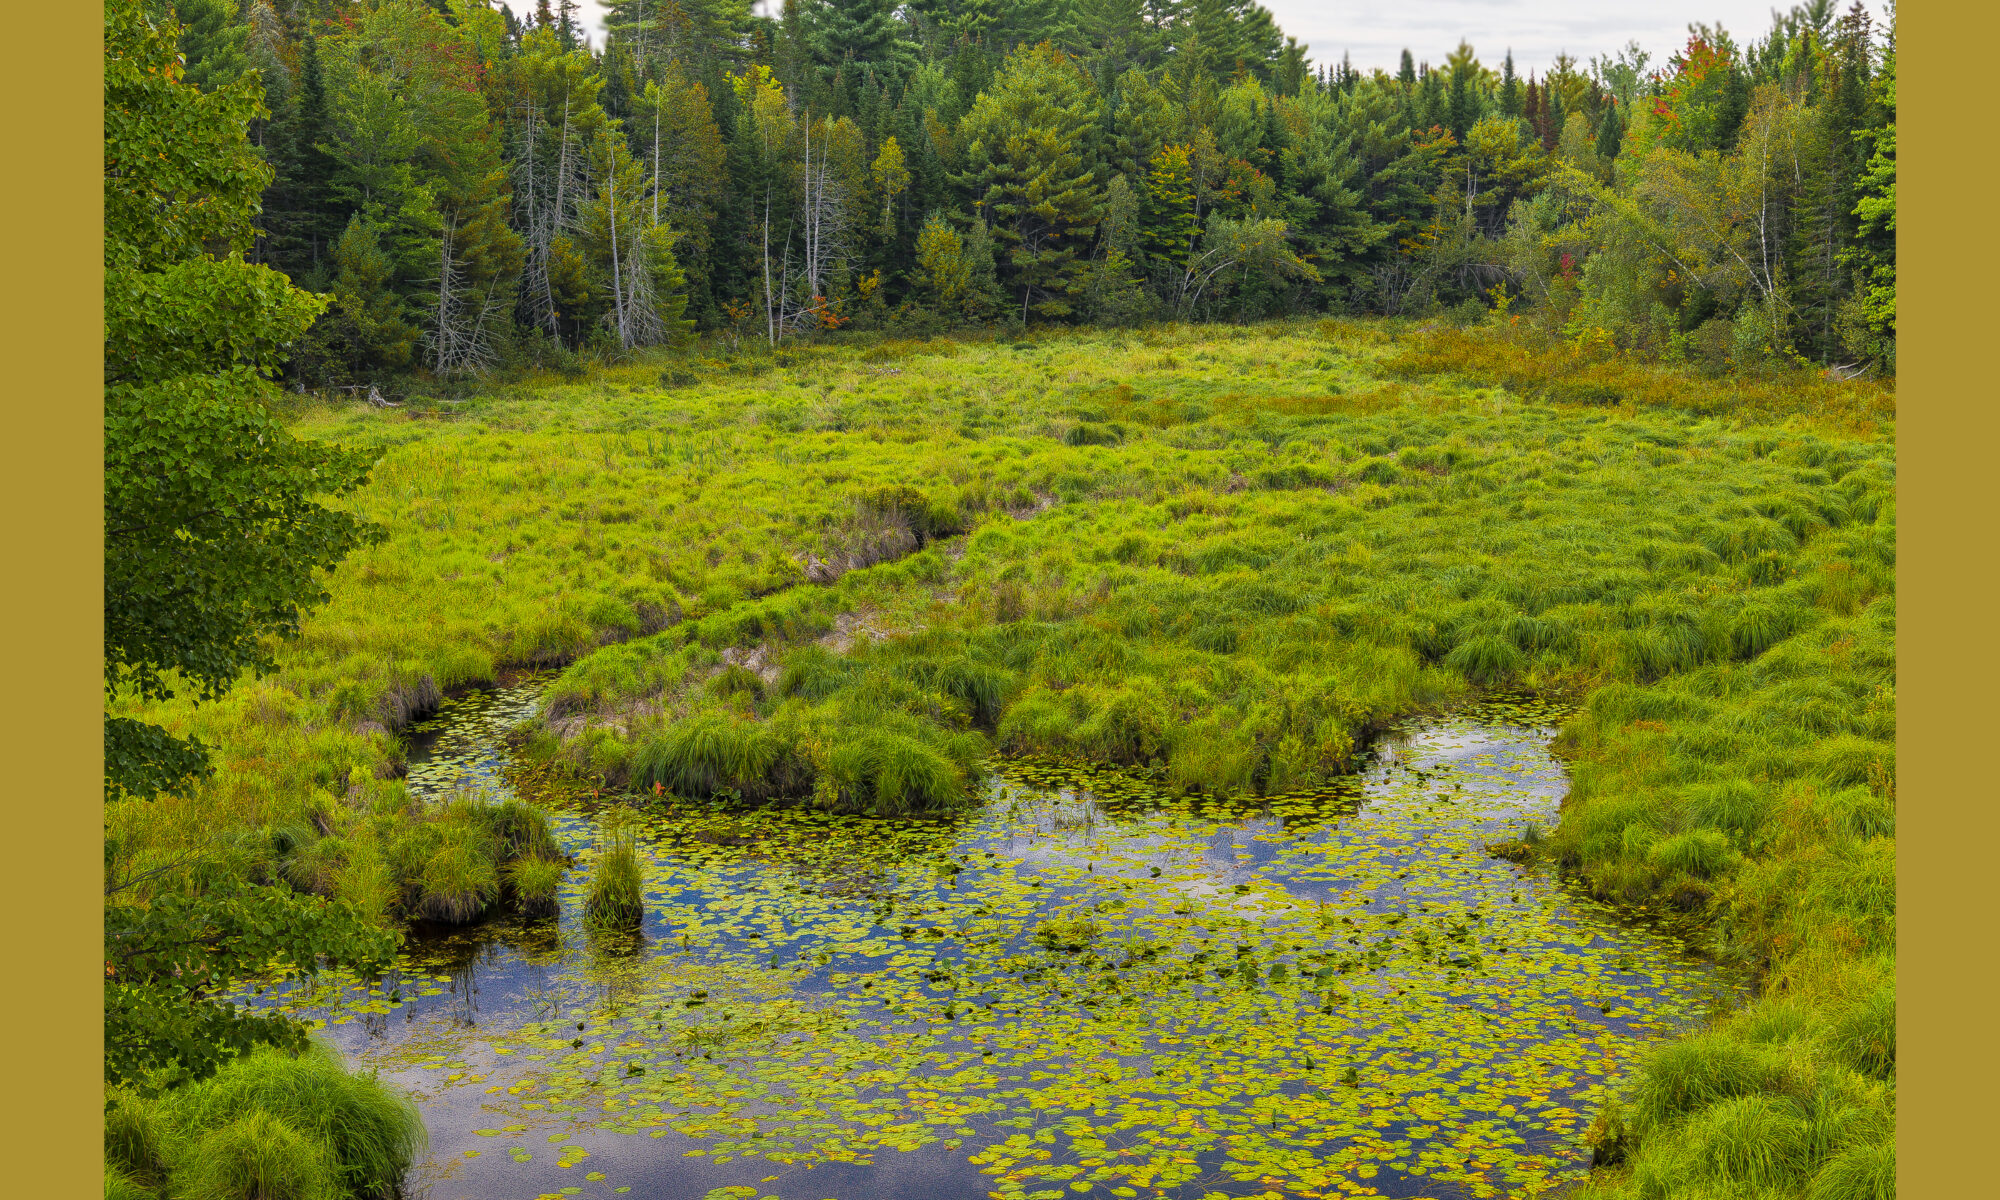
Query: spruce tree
(1031, 167)
(300, 216)
(1610, 133)
(857, 39)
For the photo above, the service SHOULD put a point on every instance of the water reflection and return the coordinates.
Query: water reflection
(1337, 987)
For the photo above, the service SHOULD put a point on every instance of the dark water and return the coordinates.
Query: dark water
(1082, 987)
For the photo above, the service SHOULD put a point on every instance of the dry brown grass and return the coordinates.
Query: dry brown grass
(1535, 368)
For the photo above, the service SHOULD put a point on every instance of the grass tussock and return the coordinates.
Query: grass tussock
(268, 1126)
(535, 883)
(617, 893)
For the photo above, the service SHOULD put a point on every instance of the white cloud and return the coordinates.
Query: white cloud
(1375, 32)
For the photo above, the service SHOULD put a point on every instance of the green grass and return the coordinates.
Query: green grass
(617, 894)
(268, 1126)
(1223, 557)
(535, 882)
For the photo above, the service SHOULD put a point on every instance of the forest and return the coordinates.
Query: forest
(993, 600)
(483, 190)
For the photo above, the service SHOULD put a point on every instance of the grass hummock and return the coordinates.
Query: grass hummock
(267, 1125)
(616, 895)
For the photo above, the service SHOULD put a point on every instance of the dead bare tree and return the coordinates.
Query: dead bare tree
(544, 200)
(463, 328)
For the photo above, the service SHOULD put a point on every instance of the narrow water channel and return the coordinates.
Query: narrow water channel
(1084, 986)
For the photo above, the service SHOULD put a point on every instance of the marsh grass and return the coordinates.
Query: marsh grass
(256, 1157)
(535, 883)
(461, 876)
(616, 898)
(267, 1125)
(1299, 533)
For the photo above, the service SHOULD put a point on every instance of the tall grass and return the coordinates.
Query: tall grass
(267, 1125)
(617, 895)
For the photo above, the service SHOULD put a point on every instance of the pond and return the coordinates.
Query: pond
(1083, 986)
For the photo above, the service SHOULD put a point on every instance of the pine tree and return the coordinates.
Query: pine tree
(1610, 134)
(1031, 167)
(212, 41)
(1464, 102)
(856, 39)
(1869, 324)
(301, 218)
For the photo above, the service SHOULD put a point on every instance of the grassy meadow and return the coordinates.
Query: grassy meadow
(850, 574)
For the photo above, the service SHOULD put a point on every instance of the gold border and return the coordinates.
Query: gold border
(53, 495)
(1947, 264)
(52, 489)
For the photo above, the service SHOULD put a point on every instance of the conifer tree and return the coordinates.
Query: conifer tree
(856, 39)
(1031, 166)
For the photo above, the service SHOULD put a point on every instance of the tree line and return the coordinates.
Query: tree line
(479, 189)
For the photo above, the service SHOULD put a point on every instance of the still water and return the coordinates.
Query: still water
(1083, 986)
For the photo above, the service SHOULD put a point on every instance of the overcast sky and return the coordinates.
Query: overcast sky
(1376, 31)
